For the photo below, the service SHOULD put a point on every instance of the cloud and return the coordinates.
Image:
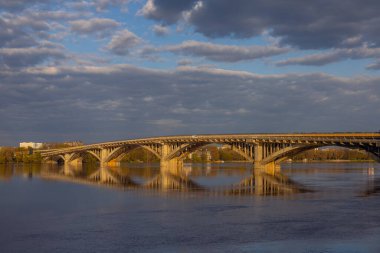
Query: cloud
(225, 53)
(21, 31)
(23, 39)
(102, 5)
(123, 101)
(167, 123)
(99, 26)
(122, 42)
(374, 66)
(166, 10)
(301, 24)
(53, 15)
(22, 57)
(14, 5)
(14, 36)
(160, 30)
(27, 28)
(321, 59)
(184, 62)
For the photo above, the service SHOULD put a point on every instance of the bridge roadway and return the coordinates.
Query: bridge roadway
(262, 149)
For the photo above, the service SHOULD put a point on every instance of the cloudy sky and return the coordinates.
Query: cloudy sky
(102, 70)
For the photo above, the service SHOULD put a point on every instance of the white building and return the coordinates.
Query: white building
(34, 145)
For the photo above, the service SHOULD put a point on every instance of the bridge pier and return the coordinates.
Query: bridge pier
(104, 153)
(169, 164)
(258, 150)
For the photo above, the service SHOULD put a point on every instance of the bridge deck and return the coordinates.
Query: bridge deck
(367, 137)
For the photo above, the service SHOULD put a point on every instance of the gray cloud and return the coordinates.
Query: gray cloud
(122, 42)
(22, 57)
(23, 39)
(21, 31)
(121, 101)
(321, 59)
(98, 26)
(15, 5)
(13, 36)
(303, 24)
(225, 53)
(27, 28)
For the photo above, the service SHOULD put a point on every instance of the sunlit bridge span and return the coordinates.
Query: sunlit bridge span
(264, 150)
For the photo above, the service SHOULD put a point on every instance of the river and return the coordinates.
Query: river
(305, 207)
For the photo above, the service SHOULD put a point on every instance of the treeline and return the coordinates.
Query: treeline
(18, 155)
(332, 154)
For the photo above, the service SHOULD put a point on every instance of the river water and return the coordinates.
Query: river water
(305, 207)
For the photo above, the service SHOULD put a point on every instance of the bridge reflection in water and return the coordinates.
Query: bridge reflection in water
(173, 178)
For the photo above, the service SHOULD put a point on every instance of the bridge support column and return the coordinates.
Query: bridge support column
(258, 155)
(103, 157)
(169, 165)
(67, 158)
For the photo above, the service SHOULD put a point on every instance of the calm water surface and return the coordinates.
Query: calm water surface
(56, 209)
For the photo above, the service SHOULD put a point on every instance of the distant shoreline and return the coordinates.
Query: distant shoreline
(299, 161)
(330, 161)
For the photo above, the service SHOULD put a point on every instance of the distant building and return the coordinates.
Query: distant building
(34, 145)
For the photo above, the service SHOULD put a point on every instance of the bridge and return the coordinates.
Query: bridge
(264, 150)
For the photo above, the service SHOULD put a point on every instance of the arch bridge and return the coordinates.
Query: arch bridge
(262, 149)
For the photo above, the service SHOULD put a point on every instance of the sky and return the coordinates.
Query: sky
(102, 70)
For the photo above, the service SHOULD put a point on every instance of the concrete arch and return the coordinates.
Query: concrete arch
(285, 153)
(93, 154)
(118, 153)
(78, 155)
(55, 158)
(183, 151)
